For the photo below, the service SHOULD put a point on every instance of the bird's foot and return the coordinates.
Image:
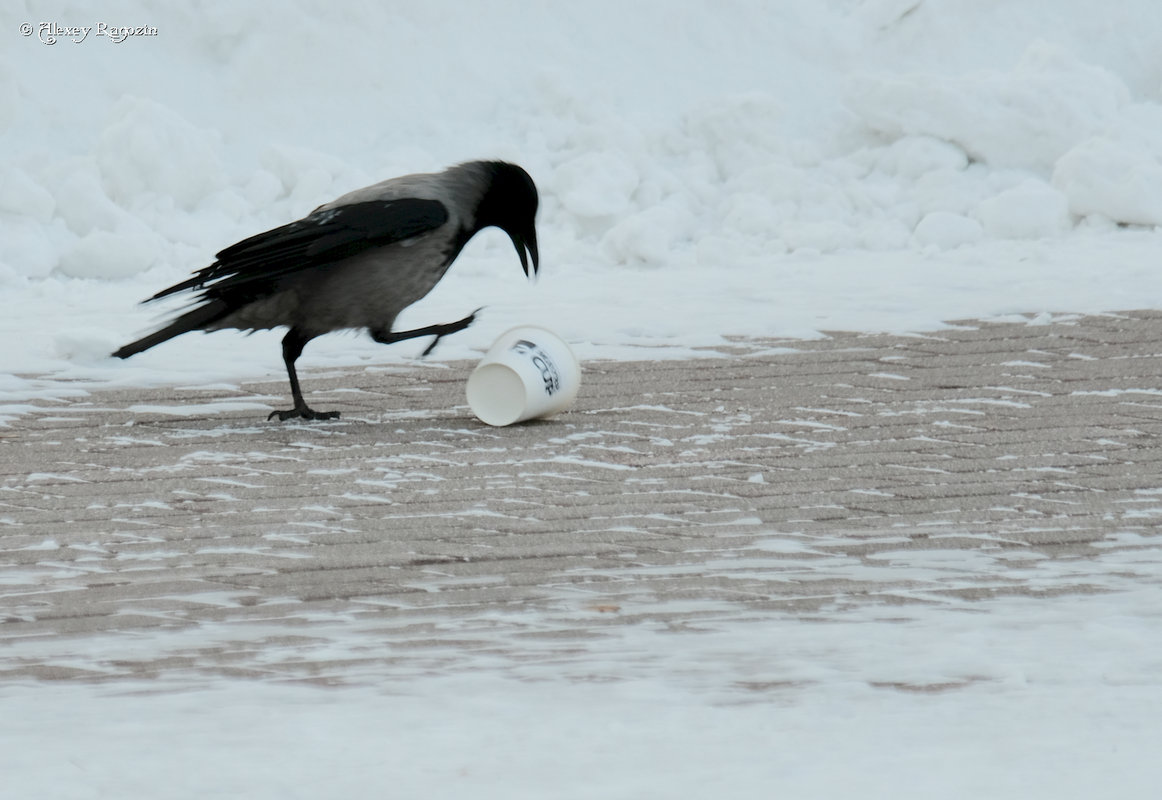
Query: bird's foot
(452, 327)
(304, 413)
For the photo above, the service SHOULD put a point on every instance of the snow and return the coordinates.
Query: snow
(706, 170)
(1004, 698)
(882, 165)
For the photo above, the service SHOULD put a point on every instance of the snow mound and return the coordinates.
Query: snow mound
(596, 184)
(1117, 174)
(946, 230)
(1030, 210)
(1026, 118)
(149, 153)
(104, 254)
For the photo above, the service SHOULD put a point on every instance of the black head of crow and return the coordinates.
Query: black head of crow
(510, 203)
(357, 262)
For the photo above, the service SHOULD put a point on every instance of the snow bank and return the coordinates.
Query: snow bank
(678, 146)
(1026, 118)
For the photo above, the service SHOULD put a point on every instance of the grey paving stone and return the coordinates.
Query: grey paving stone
(774, 476)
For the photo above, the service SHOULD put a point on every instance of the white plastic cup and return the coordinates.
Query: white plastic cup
(528, 373)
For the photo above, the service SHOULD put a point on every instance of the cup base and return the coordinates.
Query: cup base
(496, 395)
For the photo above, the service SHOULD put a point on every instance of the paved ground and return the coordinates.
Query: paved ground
(175, 532)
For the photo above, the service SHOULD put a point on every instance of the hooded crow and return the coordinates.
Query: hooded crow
(356, 262)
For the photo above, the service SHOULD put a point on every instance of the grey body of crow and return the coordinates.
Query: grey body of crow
(357, 261)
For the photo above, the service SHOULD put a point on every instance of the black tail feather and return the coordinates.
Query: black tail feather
(195, 319)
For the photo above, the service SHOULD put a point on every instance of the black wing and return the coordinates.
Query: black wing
(254, 266)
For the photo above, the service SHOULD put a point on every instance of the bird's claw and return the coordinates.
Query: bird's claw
(304, 413)
(451, 327)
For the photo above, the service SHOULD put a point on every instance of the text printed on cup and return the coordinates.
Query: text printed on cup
(542, 362)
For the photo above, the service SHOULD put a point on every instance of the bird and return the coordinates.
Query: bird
(356, 263)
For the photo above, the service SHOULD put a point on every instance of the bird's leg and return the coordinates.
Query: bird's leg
(439, 331)
(292, 347)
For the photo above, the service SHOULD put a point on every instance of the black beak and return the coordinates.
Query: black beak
(521, 243)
